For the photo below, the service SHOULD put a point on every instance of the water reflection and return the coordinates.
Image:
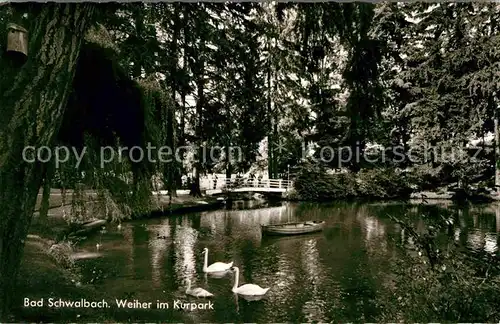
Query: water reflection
(247, 222)
(128, 238)
(490, 244)
(158, 250)
(457, 234)
(314, 307)
(375, 234)
(497, 216)
(184, 246)
(475, 240)
(330, 276)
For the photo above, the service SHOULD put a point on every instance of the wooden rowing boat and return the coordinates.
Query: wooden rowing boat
(293, 228)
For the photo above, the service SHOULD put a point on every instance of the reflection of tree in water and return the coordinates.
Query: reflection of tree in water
(375, 232)
(215, 222)
(282, 271)
(475, 240)
(355, 276)
(249, 257)
(359, 289)
(475, 227)
(313, 308)
(497, 217)
(228, 228)
(239, 225)
(478, 228)
(140, 237)
(497, 221)
(177, 241)
(171, 278)
(185, 239)
(490, 244)
(127, 233)
(158, 249)
(165, 228)
(252, 218)
(478, 240)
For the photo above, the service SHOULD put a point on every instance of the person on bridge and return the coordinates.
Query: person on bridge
(215, 181)
(239, 179)
(251, 179)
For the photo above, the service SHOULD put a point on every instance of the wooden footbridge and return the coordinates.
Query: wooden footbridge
(218, 186)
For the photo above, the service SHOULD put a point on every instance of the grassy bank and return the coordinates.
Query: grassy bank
(47, 272)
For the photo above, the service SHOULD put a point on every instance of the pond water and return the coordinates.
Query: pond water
(336, 275)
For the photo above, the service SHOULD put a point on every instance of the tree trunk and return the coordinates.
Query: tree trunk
(199, 72)
(172, 167)
(33, 98)
(497, 155)
(47, 184)
(139, 33)
(229, 168)
(195, 189)
(181, 136)
(270, 138)
(181, 141)
(278, 142)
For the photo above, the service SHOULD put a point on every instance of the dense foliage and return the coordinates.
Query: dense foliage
(337, 75)
(405, 76)
(315, 184)
(417, 82)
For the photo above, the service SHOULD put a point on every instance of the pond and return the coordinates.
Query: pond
(336, 275)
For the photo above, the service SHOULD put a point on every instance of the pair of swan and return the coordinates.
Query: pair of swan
(217, 267)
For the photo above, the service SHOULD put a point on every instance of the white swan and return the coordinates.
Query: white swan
(215, 267)
(248, 289)
(196, 292)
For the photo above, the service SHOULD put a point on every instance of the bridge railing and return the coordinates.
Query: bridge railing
(249, 183)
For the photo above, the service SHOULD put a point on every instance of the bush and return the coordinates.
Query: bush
(452, 284)
(61, 253)
(425, 177)
(457, 290)
(314, 184)
(383, 184)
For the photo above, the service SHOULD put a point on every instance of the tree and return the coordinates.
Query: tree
(198, 66)
(33, 98)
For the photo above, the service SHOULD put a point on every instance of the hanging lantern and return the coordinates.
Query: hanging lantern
(17, 42)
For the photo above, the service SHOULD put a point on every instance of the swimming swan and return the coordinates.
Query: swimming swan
(215, 267)
(247, 289)
(196, 292)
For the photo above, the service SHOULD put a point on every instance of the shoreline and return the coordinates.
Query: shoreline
(444, 195)
(160, 204)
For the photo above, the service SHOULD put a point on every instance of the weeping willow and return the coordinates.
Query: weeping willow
(120, 188)
(155, 103)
